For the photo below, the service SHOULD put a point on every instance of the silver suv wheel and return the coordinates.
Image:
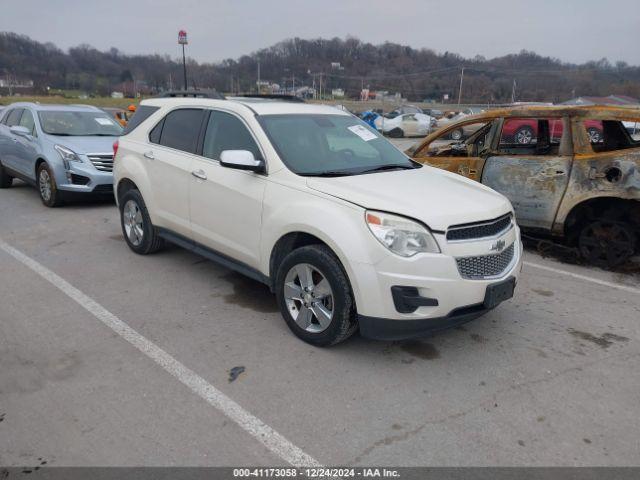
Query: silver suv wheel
(309, 298)
(132, 221)
(44, 183)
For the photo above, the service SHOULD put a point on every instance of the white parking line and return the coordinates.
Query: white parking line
(262, 432)
(604, 283)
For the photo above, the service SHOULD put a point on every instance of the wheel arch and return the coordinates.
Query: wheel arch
(124, 185)
(39, 161)
(615, 208)
(291, 241)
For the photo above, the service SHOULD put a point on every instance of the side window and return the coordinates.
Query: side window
(141, 114)
(27, 121)
(633, 128)
(531, 136)
(181, 129)
(227, 132)
(467, 140)
(13, 118)
(611, 135)
(154, 134)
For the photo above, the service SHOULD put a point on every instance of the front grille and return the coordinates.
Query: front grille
(479, 230)
(104, 163)
(485, 265)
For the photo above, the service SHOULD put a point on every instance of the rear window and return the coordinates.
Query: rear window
(142, 113)
(181, 128)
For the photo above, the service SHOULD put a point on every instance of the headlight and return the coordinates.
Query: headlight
(401, 235)
(67, 155)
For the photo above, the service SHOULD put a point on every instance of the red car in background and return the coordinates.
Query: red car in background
(524, 131)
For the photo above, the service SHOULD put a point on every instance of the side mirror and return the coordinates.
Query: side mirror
(241, 160)
(20, 130)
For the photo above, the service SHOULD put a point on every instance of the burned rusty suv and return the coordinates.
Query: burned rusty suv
(567, 180)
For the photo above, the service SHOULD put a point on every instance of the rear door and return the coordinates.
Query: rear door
(226, 204)
(533, 175)
(169, 158)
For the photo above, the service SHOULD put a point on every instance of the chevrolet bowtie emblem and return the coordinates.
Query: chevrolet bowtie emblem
(498, 246)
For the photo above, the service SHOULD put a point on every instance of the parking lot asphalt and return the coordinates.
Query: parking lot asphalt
(548, 378)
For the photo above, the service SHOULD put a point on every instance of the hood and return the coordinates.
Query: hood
(435, 197)
(84, 145)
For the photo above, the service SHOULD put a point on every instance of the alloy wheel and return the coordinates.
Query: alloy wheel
(133, 222)
(309, 298)
(44, 184)
(524, 136)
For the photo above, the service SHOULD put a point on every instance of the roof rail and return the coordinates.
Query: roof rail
(272, 96)
(191, 93)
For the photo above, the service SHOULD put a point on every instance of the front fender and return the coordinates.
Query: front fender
(337, 223)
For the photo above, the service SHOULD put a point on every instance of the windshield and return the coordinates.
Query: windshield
(83, 124)
(331, 145)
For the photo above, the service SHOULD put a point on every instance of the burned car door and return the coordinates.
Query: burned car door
(462, 157)
(532, 175)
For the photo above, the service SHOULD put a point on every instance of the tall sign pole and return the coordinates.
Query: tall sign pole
(182, 40)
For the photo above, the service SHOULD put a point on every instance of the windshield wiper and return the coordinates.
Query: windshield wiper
(328, 173)
(382, 168)
(60, 134)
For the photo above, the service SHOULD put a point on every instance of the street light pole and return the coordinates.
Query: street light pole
(460, 91)
(182, 40)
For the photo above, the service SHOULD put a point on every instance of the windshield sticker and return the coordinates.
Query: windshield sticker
(364, 133)
(103, 121)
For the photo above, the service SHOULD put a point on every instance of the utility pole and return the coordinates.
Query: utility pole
(182, 40)
(513, 91)
(460, 90)
(258, 83)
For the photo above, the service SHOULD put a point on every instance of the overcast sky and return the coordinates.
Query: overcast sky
(572, 30)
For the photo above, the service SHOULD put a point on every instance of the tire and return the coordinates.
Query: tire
(607, 243)
(330, 292)
(47, 188)
(396, 133)
(6, 180)
(595, 135)
(139, 233)
(524, 136)
(456, 135)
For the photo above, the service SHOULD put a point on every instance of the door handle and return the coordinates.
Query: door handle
(149, 155)
(552, 172)
(199, 174)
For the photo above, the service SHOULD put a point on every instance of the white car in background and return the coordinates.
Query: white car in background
(406, 125)
(346, 230)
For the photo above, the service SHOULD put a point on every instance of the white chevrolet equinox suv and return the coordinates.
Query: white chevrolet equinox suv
(347, 231)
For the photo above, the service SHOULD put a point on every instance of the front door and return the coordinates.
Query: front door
(225, 203)
(461, 157)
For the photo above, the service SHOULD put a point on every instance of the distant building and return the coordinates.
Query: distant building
(621, 100)
(15, 83)
(117, 95)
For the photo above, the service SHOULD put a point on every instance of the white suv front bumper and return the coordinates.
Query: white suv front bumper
(435, 277)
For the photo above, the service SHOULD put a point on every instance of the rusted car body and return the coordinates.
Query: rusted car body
(581, 187)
